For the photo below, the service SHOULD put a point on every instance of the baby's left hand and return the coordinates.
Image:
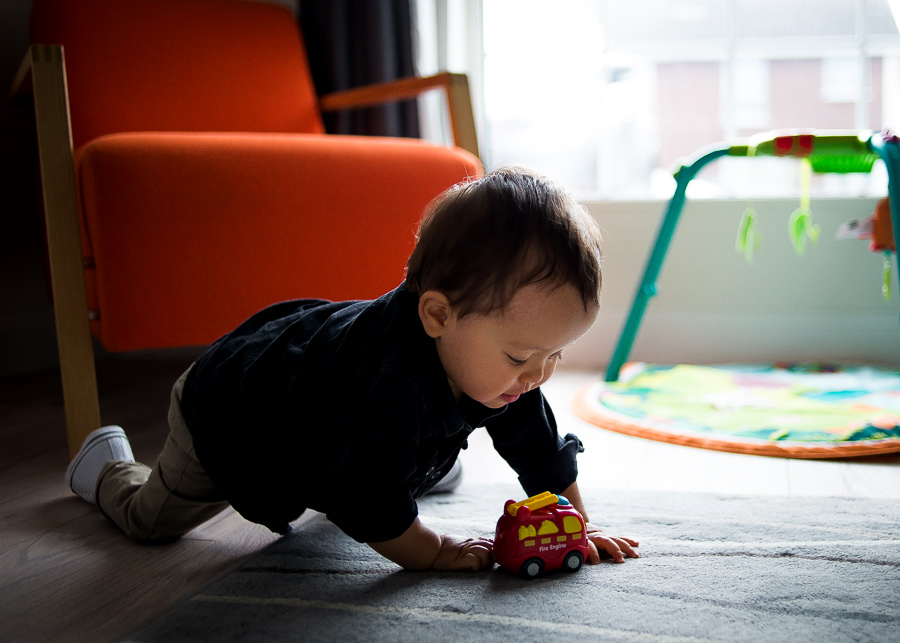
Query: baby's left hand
(603, 545)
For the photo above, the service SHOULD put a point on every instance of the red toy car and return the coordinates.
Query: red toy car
(543, 533)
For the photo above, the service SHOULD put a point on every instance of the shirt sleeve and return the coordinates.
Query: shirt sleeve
(526, 436)
(370, 498)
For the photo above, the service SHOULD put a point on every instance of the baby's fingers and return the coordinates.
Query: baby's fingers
(478, 554)
(471, 554)
(627, 545)
(613, 547)
(474, 561)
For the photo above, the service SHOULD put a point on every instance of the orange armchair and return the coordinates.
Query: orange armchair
(188, 181)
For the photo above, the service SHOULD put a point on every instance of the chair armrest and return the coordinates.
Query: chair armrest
(456, 87)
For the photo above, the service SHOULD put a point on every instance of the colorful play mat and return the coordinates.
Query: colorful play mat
(787, 410)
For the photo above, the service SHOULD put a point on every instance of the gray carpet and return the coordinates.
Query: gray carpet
(713, 568)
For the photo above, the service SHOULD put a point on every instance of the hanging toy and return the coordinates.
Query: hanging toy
(883, 241)
(879, 229)
(747, 240)
(800, 225)
(882, 227)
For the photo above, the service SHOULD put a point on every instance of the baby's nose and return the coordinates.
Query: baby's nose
(532, 374)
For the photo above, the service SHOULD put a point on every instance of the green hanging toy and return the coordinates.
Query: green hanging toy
(747, 238)
(838, 152)
(800, 225)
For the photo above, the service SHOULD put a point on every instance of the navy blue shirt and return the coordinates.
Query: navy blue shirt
(344, 408)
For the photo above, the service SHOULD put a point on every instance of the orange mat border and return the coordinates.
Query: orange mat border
(588, 411)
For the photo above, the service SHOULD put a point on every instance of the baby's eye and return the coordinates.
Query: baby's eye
(557, 357)
(516, 362)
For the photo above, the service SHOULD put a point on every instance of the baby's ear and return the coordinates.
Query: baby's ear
(434, 311)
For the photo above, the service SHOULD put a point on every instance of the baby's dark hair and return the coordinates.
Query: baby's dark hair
(482, 240)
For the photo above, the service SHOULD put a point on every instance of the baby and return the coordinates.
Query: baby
(355, 409)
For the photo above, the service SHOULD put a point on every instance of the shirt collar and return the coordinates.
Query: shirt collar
(474, 413)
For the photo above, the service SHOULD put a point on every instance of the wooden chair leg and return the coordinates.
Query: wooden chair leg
(76, 354)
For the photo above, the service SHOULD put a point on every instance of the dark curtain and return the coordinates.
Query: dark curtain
(359, 42)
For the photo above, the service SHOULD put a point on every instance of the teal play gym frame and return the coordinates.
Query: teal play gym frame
(826, 151)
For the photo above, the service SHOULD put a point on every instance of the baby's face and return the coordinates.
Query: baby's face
(496, 358)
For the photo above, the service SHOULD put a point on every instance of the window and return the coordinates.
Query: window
(571, 525)
(607, 96)
(547, 527)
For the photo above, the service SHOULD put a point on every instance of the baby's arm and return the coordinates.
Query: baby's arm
(420, 548)
(616, 547)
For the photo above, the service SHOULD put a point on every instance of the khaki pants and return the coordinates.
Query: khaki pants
(167, 501)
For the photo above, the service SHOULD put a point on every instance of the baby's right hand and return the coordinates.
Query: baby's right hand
(458, 554)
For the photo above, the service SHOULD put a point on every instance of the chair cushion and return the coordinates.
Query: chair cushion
(190, 233)
(146, 65)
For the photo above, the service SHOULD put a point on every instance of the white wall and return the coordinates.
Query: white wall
(714, 307)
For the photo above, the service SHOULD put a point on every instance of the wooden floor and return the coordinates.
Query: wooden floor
(66, 574)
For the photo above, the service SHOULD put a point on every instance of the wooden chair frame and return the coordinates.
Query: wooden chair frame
(42, 77)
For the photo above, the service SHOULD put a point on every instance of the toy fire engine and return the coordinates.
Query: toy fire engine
(543, 533)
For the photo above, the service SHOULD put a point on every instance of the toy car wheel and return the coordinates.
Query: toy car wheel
(573, 561)
(532, 568)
